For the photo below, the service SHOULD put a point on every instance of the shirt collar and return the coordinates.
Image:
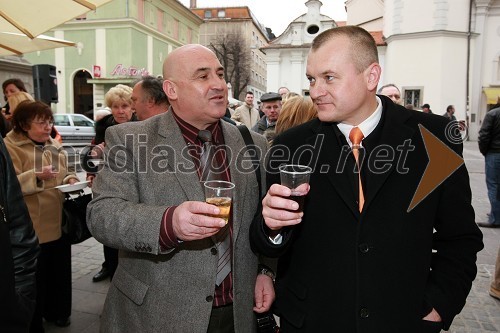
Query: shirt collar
(190, 132)
(270, 123)
(367, 126)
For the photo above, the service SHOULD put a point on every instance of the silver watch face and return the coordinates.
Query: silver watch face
(267, 272)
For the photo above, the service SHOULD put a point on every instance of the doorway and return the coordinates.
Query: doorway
(83, 96)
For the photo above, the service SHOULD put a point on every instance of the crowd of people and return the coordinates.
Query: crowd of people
(346, 260)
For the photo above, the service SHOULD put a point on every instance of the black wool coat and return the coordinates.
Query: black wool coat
(381, 270)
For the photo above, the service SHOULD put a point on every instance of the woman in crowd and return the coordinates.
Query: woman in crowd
(295, 111)
(14, 93)
(17, 98)
(119, 100)
(288, 95)
(9, 87)
(41, 164)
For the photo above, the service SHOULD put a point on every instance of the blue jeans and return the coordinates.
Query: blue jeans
(492, 169)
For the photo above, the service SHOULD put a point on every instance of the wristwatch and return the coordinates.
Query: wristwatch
(266, 271)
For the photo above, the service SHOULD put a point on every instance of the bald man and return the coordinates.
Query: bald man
(167, 279)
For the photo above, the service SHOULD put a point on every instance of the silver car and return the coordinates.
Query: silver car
(75, 129)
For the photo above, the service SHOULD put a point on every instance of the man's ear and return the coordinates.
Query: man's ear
(373, 73)
(170, 89)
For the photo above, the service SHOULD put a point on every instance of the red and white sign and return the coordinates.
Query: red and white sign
(97, 71)
(128, 71)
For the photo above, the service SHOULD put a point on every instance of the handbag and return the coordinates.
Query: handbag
(265, 321)
(74, 217)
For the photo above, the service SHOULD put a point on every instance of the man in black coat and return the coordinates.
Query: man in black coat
(18, 252)
(367, 258)
(489, 146)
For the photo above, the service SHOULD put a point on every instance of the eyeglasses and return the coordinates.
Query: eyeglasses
(394, 96)
(44, 123)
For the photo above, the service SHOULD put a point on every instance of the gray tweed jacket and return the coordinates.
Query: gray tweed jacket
(167, 291)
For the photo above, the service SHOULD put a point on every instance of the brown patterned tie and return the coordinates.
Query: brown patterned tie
(356, 136)
(207, 155)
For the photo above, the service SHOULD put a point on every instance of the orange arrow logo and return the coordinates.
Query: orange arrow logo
(443, 162)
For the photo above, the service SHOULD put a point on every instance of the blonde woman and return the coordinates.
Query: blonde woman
(16, 98)
(119, 100)
(288, 95)
(295, 111)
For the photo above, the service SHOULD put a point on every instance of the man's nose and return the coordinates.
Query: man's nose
(218, 83)
(316, 91)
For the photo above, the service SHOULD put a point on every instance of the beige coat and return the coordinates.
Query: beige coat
(245, 115)
(43, 200)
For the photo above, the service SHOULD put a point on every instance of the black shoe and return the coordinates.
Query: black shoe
(63, 322)
(488, 225)
(103, 274)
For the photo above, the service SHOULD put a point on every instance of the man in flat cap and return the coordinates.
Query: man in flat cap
(271, 105)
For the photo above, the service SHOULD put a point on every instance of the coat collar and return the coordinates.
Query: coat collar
(20, 139)
(330, 142)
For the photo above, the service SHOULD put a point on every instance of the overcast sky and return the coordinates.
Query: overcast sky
(277, 14)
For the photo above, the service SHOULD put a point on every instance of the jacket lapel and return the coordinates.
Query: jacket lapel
(393, 119)
(234, 146)
(331, 155)
(180, 164)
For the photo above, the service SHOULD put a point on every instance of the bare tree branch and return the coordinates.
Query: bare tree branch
(234, 55)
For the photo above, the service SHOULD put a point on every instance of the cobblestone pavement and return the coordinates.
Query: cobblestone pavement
(481, 314)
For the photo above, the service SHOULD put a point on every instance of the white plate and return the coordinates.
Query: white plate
(96, 162)
(72, 187)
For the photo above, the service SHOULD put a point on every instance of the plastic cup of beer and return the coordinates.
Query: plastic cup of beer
(219, 193)
(296, 178)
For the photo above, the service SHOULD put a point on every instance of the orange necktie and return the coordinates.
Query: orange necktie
(356, 136)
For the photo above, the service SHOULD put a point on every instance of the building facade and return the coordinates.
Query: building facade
(238, 21)
(286, 55)
(118, 43)
(439, 52)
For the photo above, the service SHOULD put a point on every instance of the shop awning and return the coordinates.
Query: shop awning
(492, 95)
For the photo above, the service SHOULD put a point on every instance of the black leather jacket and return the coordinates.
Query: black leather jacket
(489, 134)
(18, 252)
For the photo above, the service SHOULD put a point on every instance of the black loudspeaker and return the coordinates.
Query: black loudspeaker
(45, 83)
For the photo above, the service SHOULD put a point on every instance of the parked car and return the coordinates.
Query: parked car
(75, 129)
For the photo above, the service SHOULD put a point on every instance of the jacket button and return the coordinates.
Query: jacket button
(213, 251)
(364, 313)
(364, 248)
(209, 299)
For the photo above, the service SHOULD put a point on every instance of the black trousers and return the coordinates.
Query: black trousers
(53, 282)
(110, 259)
(221, 320)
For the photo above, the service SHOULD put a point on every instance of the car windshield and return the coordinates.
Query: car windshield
(81, 121)
(61, 120)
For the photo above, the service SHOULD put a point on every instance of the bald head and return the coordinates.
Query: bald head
(181, 57)
(194, 84)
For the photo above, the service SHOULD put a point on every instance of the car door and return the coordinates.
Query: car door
(63, 126)
(83, 128)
